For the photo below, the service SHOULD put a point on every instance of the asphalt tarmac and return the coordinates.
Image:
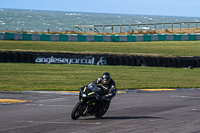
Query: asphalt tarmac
(134, 112)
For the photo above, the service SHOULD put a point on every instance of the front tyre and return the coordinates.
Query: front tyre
(76, 112)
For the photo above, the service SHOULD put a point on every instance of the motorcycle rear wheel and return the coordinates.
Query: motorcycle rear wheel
(102, 112)
(100, 115)
(75, 114)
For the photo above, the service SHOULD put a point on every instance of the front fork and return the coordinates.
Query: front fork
(86, 108)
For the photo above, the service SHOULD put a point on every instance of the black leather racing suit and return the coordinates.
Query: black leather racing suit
(108, 90)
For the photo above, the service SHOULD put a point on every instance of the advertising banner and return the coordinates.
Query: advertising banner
(70, 59)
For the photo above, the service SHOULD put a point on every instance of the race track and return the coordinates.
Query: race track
(134, 112)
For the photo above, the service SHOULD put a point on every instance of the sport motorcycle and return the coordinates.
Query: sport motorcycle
(91, 103)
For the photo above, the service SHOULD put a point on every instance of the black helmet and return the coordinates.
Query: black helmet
(106, 78)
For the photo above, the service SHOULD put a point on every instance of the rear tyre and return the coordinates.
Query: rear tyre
(102, 111)
(76, 112)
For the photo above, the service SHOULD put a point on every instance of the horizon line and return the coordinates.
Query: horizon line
(101, 12)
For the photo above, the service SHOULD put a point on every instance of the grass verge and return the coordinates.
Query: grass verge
(159, 48)
(25, 76)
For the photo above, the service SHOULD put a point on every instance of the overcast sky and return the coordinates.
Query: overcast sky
(190, 8)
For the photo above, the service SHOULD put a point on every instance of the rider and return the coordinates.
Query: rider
(107, 86)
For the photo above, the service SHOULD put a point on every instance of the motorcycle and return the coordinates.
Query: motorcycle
(90, 103)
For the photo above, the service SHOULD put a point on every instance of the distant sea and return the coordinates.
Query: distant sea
(37, 20)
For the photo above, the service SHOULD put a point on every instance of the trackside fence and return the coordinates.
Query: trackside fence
(98, 38)
(136, 28)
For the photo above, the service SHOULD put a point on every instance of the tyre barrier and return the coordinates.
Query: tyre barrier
(16, 57)
(97, 59)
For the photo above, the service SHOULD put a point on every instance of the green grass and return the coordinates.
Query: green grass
(25, 76)
(164, 48)
(18, 77)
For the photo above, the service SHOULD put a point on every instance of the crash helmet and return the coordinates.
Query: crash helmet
(106, 78)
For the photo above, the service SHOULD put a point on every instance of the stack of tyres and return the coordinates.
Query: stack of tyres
(2, 57)
(148, 61)
(131, 59)
(153, 61)
(191, 62)
(9, 56)
(109, 60)
(168, 62)
(114, 60)
(159, 61)
(22, 57)
(163, 61)
(173, 60)
(178, 62)
(127, 61)
(30, 57)
(138, 61)
(196, 62)
(120, 60)
(143, 61)
(15, 57)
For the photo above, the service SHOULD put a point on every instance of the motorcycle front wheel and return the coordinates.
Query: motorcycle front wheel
(76, 112)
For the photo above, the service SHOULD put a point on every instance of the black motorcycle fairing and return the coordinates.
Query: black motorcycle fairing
(89, 91)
